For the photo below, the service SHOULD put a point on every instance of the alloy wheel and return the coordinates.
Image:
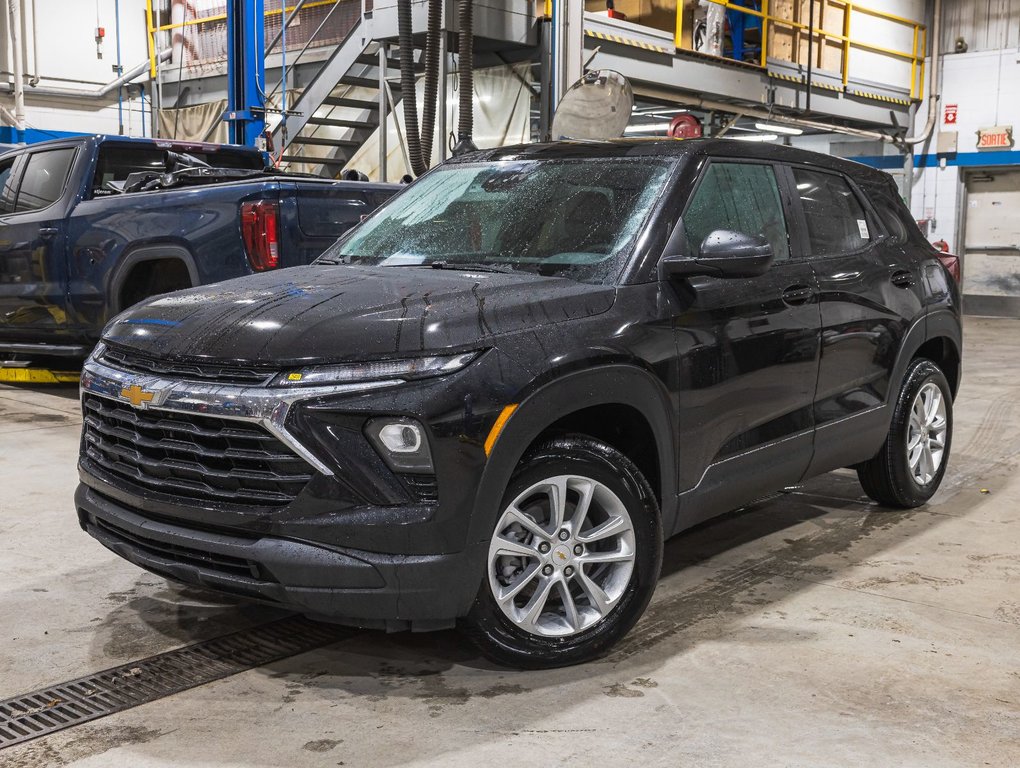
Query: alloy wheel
(926, 434)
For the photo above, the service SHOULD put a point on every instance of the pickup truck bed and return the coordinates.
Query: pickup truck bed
(74, 250)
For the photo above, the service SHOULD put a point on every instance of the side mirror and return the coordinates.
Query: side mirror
(724, 253)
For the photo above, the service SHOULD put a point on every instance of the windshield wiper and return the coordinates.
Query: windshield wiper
(470, 265)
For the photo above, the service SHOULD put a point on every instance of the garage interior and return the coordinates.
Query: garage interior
(813, 627)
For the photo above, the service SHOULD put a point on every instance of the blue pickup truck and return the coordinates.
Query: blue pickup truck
(91, 225)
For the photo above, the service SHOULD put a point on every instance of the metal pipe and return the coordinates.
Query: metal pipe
(120, 68)
(933, 79)
(382, 112)
(811, 52)
(74, 93)
(14, 38)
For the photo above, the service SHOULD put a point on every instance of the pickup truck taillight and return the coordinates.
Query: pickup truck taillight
(260, 230)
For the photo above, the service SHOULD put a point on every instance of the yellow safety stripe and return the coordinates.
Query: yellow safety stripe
(37, 376)
(626, 41)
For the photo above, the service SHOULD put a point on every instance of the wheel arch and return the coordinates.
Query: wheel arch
(566, 405)
(131, 260)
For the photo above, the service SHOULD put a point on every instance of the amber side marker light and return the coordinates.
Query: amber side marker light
(501, 420)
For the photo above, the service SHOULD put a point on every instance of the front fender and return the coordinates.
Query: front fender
(615, 384)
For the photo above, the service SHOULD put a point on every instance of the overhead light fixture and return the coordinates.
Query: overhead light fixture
(789, 130)
(755, 137)
(647, 128)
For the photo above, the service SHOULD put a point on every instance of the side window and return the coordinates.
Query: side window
(835, 219)
(7, 187)
(888, 206)
(117, 162)
(44, 178)
(743, 197)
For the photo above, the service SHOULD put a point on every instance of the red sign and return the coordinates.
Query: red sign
(949, 116)
(996, 137)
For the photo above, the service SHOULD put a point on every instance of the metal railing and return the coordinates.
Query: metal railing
(215, 25)
(915, 56)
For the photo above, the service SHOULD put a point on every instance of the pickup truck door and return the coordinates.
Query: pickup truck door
(33, 268)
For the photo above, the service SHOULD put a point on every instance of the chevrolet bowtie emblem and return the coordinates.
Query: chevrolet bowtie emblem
(137, 396)
(561, 556)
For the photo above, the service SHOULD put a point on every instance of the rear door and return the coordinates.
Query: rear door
(748, 348)
(868, 296)
(33, 269)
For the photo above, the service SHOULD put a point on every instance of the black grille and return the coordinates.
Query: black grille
(211, 561)
(190, 456)
(194, 371)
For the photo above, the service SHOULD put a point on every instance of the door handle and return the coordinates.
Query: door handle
(797, 294)
(48, 233)
(901, 278)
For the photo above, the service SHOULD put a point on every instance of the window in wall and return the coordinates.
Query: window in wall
(835, 219)
(743, 197)
(44, 178)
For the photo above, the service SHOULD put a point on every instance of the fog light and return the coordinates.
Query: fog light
(401, 438)
(401, 443)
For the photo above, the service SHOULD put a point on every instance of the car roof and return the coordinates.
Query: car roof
(672, 148)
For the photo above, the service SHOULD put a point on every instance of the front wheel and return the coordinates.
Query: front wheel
(910, 467)
(573, 558)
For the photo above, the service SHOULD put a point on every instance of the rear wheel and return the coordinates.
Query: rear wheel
(573, 558)
(910, 467)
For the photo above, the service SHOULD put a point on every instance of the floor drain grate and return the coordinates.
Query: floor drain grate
(65, 705)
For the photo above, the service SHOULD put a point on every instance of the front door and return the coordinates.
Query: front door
(33, 268)
(749, 350)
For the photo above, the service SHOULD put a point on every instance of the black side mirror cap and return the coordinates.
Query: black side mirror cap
(724, 253)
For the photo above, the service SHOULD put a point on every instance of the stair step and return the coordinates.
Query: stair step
(335, 101)
(320, 141)
(392, 65)
(360, 82)
(334, 162)
(370, 124)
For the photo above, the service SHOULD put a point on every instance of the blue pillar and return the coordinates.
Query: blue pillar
(246, 71)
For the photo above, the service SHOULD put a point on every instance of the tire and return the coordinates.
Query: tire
(617, 548)
(891, 478)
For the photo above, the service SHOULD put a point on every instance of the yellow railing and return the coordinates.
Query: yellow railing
(915, 56)
(155, 29)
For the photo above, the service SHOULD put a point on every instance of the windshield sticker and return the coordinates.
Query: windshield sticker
(862, 225)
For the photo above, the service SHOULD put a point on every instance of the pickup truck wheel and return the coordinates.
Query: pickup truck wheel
(573, 558)
(909, 468)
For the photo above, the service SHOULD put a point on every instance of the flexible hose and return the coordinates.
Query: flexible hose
(428, 117)
(407, 87)
(465, 78)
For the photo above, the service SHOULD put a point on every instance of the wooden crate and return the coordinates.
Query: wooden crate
(788, 44)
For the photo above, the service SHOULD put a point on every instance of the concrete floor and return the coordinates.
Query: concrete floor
(812, 630)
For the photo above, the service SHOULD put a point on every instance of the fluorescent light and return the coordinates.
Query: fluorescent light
(647, 128)
(787, 129)
(755, 137)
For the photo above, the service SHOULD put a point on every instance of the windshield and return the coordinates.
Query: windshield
(575, 218)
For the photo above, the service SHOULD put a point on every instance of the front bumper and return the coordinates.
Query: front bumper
(394, 592)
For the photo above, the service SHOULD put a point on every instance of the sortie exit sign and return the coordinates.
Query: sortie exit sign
(996, 137)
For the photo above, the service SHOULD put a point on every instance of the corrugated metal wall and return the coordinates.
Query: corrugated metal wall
(986, 25)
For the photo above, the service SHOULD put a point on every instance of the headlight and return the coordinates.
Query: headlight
(344, 373)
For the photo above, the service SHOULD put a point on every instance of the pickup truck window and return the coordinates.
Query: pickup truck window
(118, 161)
(7, 189)
(44, 178)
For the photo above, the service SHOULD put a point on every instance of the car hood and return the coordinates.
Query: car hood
(327, 313)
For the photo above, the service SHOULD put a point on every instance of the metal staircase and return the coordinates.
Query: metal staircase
(339, 109)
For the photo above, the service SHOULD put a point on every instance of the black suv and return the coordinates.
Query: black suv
(493, 399)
